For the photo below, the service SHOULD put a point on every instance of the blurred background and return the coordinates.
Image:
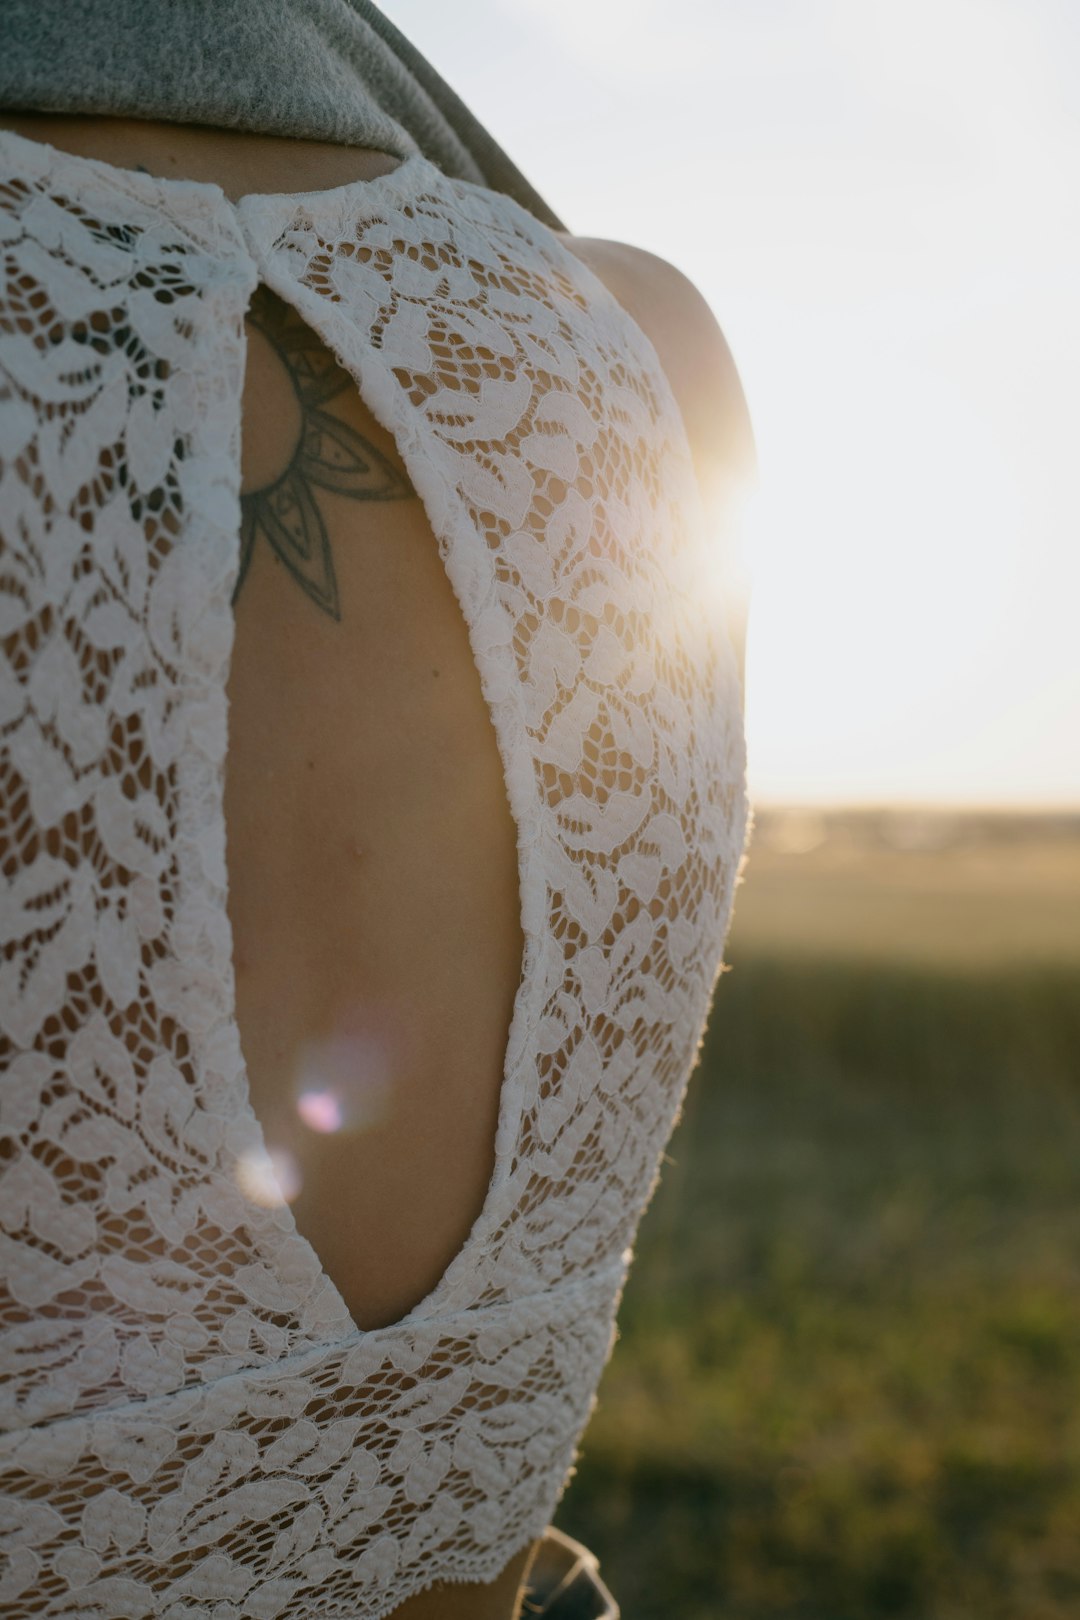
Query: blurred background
(847, 1385)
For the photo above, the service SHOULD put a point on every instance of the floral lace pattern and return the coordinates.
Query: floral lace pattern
(192, 1423)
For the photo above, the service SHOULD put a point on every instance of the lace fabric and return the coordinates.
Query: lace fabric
(192, 1423)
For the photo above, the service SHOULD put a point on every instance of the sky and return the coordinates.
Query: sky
(880, 200)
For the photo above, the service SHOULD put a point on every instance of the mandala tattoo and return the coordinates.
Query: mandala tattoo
(329, 455)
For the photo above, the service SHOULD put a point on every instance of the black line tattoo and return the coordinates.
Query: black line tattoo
(329, 454)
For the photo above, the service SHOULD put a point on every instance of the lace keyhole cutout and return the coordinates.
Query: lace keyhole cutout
(372, 856)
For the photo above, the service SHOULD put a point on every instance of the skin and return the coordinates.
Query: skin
(373, 867)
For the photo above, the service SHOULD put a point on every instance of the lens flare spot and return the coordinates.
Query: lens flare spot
(269, 1177)
(321, 1111)
(343, 1083)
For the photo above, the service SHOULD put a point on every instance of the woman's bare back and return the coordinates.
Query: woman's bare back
(373, 870)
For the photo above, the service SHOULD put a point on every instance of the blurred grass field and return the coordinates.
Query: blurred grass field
(847, 1385)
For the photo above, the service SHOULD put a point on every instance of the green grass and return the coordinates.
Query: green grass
(847, 1385)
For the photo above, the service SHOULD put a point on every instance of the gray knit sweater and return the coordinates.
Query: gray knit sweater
(328, 70)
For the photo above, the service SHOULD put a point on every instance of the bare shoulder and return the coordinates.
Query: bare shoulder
(690, 345)
(681, 326)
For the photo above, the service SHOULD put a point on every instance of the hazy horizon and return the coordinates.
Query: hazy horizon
(892, 249)
(944, 807)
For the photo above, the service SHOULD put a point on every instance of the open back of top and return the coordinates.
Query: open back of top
(193, 1424)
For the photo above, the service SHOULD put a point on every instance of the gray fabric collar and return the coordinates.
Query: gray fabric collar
(331, 70)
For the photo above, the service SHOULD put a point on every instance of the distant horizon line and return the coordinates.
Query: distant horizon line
(918, 807)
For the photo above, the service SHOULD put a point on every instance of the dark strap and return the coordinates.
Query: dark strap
(564, 1583)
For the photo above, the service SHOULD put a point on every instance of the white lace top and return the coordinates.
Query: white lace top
(192, 1423)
